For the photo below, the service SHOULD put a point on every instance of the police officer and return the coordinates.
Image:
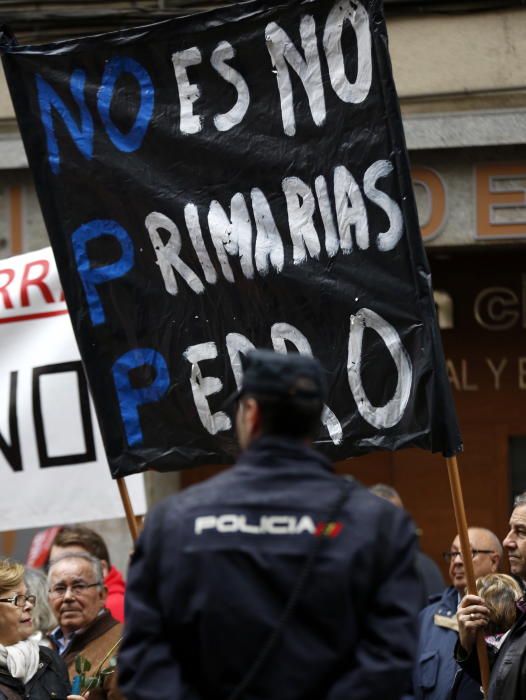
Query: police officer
(277, 579)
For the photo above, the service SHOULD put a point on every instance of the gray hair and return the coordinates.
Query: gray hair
(520, 500)
(43, 619)
(385, 491)
(95, 564)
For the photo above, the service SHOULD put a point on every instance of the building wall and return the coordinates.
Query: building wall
(449, 60)
(460, 78)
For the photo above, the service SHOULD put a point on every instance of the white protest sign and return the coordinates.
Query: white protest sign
(53, 468)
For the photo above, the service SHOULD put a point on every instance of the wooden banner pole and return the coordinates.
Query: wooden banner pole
(465, 548)
(128, 509)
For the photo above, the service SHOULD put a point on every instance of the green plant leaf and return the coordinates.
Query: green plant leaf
(91, 682)
(82, 665)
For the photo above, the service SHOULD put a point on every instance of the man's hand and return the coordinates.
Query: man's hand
(472, 616)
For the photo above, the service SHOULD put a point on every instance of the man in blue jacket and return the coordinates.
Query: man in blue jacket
(277, 579)
(436, 671)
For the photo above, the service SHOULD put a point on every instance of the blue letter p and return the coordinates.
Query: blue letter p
(131, 397)
(93, 276)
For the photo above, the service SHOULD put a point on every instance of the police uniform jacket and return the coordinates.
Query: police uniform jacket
(214, 568)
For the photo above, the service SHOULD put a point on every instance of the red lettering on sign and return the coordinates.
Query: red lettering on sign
(8, 304)
(38, 281)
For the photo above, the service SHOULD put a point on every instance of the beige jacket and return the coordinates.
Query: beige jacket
(93, 644)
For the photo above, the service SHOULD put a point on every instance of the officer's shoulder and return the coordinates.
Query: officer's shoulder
(197, 494)
(363, 499)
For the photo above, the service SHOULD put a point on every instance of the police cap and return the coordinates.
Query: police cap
(273, 374)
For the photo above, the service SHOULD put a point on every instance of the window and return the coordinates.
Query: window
(517, 453)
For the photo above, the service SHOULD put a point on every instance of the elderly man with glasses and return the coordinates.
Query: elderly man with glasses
(436, 671)
(77, 596)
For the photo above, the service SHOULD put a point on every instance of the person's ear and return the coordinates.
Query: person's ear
(252, 416)
(103, 593)
(105, 567)
(495, 561)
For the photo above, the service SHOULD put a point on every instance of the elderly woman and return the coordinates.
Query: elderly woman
(43, 618)
(26, 669)
(497, 610)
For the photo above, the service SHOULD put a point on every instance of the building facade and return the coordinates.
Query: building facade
(459, 69)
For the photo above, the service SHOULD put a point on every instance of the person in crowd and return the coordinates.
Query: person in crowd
(77, 596)
(431, 579)
(77, 538)
(436, 672)
(276, 578)
(500, 594)
(515, 541)
(508, 661)
(27, 671)
(43, 618)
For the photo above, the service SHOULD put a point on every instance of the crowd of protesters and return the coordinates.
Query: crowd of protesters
(59, 632)
(67, 610)
(230, 599)
(48, 620)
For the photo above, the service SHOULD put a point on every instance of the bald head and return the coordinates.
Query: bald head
(388, 493)
(486, 539)
(487, 552)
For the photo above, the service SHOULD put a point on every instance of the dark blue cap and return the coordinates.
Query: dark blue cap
(273, 374)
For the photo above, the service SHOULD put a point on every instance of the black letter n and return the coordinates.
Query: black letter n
(12, 451)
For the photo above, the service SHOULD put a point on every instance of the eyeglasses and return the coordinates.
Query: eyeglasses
(449, 556)
(59, 591)
(20, 600)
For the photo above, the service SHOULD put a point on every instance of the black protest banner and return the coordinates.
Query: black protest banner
(226, 180)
